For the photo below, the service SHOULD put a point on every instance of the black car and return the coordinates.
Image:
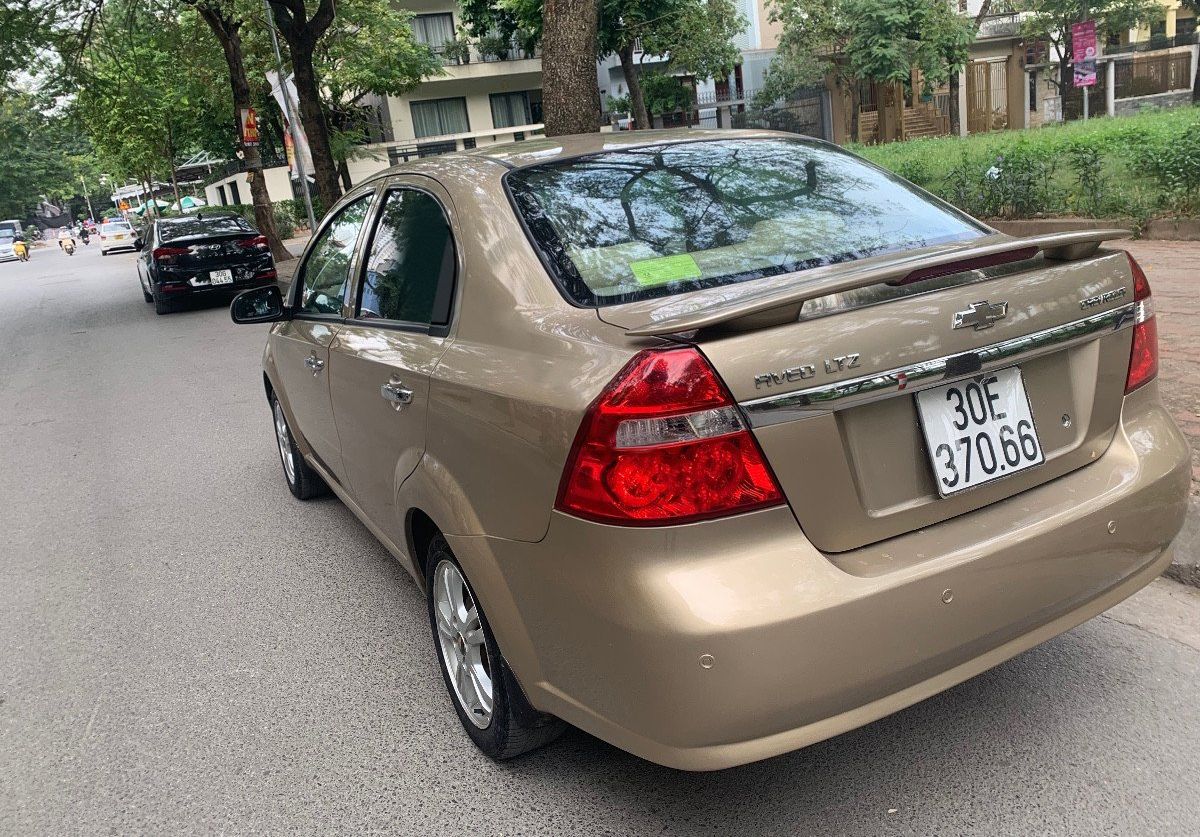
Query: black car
(203, 253)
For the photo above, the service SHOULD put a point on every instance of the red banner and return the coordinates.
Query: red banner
(1083, 48)
(249, 127)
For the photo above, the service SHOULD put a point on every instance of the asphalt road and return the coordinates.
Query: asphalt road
(184, 648)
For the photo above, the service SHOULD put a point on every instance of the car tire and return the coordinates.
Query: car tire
(149, 297)
(162, 305)
(508, 727)
(301, 479)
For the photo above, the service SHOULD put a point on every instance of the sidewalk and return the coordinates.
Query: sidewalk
(288, 269)
(1173, 268)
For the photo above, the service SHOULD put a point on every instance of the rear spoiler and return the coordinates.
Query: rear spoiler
(793, 290)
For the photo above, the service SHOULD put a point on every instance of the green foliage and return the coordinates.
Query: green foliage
(617, 104)
(368, 49)
(1133, 167)
(664, 93)
(42, 153)
(140, 110)
(286, 219)
(879, 40)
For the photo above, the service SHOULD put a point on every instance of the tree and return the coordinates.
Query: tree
(880, 41)
(1051, 20)
(696, 35)
(570, 91)
(303, 34)
(368, 49)
(43, 151)
(226, 23)
(140, 111)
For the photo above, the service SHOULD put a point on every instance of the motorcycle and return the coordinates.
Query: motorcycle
(69, 246)
(85, 236)
(21, 249)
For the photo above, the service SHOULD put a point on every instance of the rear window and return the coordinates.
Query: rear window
(192, 227)
(636, 223)
(109, 229)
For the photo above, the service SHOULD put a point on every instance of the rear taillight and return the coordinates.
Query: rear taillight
(665, 443)
(167, 255)
(1143, 357)
(259, 242)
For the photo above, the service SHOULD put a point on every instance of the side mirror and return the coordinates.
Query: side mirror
(258, 305)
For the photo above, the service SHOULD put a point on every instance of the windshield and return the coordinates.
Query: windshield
(636, 223)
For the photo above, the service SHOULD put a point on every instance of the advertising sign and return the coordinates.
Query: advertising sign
(1083, 47)
(288, 88)
(249, 123)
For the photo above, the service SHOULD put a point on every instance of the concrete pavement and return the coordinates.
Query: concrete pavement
(184, 648)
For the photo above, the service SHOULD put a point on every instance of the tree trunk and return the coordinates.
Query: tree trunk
(955, 114)
(637, 102)
(312, 117)
(171, 163)
(344, 174)
(570, 93)
(1195, 84)
(227, 33)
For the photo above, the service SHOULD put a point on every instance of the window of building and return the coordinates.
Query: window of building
(435, 117)
(510, 109)
(1158, 28)
(523, 107)
(434, 30)
(233, 191)
(221, 195)
(410, 269)
(1185, 26)
(1033, 91)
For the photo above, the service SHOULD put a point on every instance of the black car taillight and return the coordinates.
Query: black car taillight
(259, 242)
(167, 255)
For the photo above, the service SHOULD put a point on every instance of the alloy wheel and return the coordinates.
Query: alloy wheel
(284, 438)
(463, 644)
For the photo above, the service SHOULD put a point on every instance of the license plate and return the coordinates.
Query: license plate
(118, 236)
(221, 277)
(979, 430)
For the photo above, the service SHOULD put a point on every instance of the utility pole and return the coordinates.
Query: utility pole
(1085, 87)
(88, 198)
(291, 118)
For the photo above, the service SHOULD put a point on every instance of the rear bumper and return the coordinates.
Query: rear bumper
(182, 290)
(720, 643)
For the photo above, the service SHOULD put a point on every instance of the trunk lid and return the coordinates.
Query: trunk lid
(826, 366)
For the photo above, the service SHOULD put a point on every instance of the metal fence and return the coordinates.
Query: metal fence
(1154, 42)
(1148, 75)
(802, 116)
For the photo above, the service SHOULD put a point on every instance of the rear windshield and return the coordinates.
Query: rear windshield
(115, 228)
(192, 227)
(636, 223)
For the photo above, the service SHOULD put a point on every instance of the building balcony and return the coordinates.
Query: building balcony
(485, 58)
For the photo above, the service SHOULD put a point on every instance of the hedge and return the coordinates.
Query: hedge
(1134, 167)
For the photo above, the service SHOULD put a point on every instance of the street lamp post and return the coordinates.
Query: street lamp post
(291, 118)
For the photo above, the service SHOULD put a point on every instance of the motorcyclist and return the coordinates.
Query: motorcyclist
(84, 234)
(64, 236)
(21, 249)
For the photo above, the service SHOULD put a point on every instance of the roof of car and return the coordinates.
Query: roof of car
(468, 164)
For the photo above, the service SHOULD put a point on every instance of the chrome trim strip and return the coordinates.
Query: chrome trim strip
(788, 406)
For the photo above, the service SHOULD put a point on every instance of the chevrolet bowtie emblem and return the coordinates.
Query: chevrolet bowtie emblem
(981, 315)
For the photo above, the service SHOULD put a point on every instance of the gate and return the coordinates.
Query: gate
(987, 96)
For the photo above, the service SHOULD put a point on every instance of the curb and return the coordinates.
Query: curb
(1185, 566)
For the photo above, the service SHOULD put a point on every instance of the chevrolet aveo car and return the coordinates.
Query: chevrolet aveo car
(717, 444)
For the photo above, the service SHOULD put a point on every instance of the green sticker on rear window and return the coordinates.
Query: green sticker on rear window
(665, 269)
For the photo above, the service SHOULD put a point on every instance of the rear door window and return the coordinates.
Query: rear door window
(326, 272)
(635, 223)
(409, 274)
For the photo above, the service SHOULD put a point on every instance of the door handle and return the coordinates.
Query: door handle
(397, 394)
(314, 363)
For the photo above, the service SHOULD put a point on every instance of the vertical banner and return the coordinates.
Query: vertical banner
(288, 88)
(249, 122)
(1083, 48)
